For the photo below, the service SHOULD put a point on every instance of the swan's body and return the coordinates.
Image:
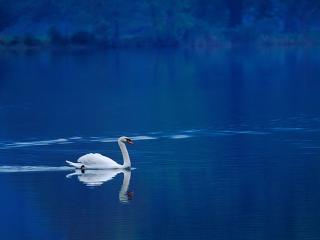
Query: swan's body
(98, 161)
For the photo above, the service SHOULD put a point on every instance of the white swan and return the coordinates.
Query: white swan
(98, 161)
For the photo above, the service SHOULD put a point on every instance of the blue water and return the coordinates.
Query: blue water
(227, 144)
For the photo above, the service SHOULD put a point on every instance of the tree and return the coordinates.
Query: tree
(5, 14)
(170, 19)
(298, 13)
(235, 8)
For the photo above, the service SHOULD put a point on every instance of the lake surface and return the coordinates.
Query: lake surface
(227, 144)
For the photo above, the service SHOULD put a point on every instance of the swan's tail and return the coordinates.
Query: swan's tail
(76, 165)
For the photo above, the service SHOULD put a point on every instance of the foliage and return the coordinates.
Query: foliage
(157, 22)
(31, 41)
(82, 38)
(56, 37)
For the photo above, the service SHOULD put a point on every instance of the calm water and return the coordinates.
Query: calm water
(227, 144)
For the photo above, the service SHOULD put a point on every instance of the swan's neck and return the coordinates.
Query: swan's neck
(125, 155)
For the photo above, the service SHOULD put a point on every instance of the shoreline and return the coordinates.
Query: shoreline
(220, 40)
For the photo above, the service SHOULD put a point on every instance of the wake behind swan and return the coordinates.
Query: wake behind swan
(13, 169)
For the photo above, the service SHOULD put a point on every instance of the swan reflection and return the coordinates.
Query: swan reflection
(95, 178)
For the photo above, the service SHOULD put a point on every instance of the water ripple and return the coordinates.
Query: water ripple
(174, 135)
(180, 136)
(12, 169)
(285, 129)
(244, 132)
(34, 143)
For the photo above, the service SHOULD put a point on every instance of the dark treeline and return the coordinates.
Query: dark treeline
(158, 22)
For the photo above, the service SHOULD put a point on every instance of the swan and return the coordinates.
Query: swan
(98, 161)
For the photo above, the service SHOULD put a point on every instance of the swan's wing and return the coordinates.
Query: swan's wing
(97, 160)
(94, 158)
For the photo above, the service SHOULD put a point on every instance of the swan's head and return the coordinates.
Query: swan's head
(125, 140)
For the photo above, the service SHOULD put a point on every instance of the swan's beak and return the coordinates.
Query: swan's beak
(129, 141)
